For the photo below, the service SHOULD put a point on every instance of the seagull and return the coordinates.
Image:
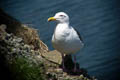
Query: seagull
(65, 39)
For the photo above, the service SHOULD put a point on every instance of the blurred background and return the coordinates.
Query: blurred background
(98, 22)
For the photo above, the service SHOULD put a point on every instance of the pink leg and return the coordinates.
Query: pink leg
(75, 67)
(63, 63)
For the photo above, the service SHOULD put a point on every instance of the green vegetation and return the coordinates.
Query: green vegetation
(22, 69)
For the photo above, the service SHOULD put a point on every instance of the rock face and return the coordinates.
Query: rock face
(21, 60)
(24, 62)
(30, 36)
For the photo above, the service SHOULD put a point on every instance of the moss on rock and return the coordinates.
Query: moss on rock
(23, 70)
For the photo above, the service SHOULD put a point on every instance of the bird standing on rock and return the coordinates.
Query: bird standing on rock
(65, 39)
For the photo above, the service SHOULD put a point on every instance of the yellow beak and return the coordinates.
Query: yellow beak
(51, 19)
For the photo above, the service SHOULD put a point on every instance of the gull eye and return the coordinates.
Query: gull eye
(62, 15)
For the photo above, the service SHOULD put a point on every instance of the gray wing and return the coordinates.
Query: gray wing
(78, 34)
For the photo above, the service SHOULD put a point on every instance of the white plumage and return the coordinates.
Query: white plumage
(66, 40)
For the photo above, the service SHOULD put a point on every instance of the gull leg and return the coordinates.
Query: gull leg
(75, 66)
(63, 63)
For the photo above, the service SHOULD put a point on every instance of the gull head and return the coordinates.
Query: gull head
(60, 17)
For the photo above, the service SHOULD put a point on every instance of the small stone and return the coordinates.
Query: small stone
(26, 46)
(17, 45)
(32, 47)
(14, 50)
(10, 40)
(36, 52)
(39, 57)
(22, 44)
(81, 77)
(19, 40)
(14, 40)
(60, 71)
(9, 35)
(64, 74)
(32, 51)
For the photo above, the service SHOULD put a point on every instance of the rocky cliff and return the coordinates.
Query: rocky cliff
(23, 56)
